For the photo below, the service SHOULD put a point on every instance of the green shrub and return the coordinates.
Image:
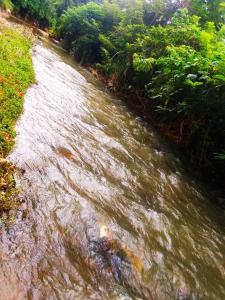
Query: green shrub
(41, 11)
(81, 26)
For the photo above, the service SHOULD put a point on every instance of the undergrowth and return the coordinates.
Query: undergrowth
(16, 75)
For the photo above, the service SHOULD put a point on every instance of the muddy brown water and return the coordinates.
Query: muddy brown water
(89, 162)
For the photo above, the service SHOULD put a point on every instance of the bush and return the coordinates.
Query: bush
(40, 11)
(81, 26)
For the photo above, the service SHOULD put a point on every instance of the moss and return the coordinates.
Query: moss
(16, 75)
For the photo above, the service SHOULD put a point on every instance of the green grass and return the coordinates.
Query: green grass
(16, 75)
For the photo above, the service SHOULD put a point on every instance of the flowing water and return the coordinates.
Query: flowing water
(89, 164)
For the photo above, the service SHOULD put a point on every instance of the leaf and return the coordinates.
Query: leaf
(219, 76)
(193, 84)
(220, 156)
(142, 64)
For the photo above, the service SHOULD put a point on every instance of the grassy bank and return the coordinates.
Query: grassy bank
(16, 75)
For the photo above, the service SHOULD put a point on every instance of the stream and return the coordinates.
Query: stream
(90, 166)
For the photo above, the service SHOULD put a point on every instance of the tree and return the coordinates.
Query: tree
(81, 26)
(41, 11)
(208, 10)
(160, 11)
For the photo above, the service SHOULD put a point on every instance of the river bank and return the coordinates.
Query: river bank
(16, 75)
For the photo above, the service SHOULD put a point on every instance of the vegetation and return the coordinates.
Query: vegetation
(42, 12)
(81, 26)
(6, 4)
(169, 54)
(16, 74)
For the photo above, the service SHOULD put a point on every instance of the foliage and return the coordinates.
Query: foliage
(6, 4)
(62, 5)
(81, 26)
(220, 156)
(159, 11)
(41, 11)
(209, 10)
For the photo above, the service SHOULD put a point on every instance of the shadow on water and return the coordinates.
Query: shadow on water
(89, 162)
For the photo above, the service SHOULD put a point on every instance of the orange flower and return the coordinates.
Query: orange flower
(7, 136)
(1, 79)
(20, 94)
